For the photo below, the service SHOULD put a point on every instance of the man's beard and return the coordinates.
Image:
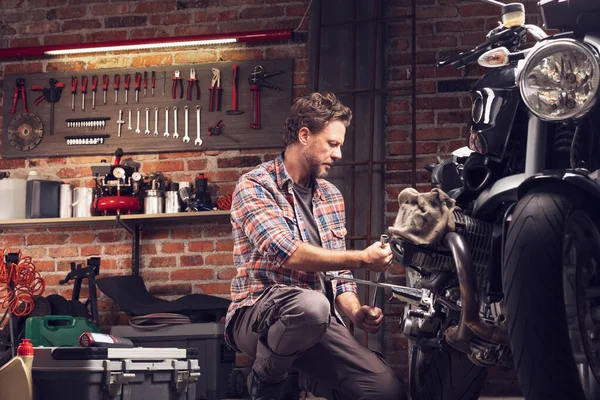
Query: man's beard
(319, 171)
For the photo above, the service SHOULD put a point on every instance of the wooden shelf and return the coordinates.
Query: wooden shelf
(131, 219)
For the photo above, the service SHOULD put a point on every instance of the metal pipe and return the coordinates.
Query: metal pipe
(413, 131)
(536, 146)
(459, 336)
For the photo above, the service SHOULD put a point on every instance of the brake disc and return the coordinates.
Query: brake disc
(25, 131)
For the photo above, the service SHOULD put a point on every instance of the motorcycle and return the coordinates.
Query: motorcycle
(517, 283)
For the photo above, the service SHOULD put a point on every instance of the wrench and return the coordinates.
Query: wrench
(166, 134)
(129, 127)
(138, 121)
(147, 131)
(175, 134)
(186, 138)
(155, 121)
(198, 141)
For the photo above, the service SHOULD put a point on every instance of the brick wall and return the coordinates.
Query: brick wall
(179, 260)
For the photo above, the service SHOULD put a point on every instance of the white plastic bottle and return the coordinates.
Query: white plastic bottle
(15, 376)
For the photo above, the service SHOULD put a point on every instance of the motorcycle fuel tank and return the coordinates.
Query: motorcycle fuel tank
(495, 100)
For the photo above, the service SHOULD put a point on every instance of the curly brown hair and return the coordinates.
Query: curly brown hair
(314, 112)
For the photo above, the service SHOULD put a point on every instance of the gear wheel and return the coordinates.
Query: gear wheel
(25, 131)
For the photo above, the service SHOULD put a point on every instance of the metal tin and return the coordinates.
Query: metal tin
(172, 202)
(66, 197)
(153, 202)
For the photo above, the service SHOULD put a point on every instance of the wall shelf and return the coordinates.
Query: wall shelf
(133, 223)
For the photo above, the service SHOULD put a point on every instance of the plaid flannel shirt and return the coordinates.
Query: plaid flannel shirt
(267, 229)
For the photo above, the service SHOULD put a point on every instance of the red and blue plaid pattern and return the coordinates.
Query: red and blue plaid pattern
(267, 230)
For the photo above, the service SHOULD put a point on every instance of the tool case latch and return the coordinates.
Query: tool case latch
(116, 379)
(182, 379)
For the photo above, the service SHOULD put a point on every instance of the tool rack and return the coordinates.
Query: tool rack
(236, 134)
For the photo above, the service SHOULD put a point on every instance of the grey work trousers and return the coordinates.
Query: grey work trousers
(292, 328)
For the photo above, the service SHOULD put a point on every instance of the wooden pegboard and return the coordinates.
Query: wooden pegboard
(237, 133)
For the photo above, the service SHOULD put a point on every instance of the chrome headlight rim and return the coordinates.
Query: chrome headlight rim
(546, 49)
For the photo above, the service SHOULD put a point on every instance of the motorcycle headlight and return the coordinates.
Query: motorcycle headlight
(559, 80)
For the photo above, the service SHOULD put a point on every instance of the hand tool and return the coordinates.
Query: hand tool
(51, 95)
(175, 134)
(20, 93)
(137, 129)
(138, 83)
(155, 121)
(217, 129)
(94, 90)
(234, 92)
(214, 100)
(105, 86)
(84, 82)
(129, 127)
(117, 84)
(73, 91)
(153, 82)
(145, 83)
(177, 80)
(166, 134)
(193, 83)
(408, 294)
(127, 83)
(379, 276)
(186, 137)
(147, 131)
(85, 140)
(120, 121)
(198, 141)
(257, 80)
(164, 78)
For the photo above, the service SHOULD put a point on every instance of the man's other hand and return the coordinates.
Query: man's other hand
(368, 319)
(377, 257)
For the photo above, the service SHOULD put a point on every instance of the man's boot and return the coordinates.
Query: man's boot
(260, 390)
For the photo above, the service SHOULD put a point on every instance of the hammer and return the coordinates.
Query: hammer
(379, 276)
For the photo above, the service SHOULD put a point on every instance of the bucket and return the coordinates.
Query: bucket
(13, 193)
(82, 202)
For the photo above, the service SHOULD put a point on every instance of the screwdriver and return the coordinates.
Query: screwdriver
(94, 90)
(145, 83)
(164, 76)
(153, 82)
(84, 82)
(105, 86)
(138, 83)
(73, 91)
(117, 84)
(127, 81)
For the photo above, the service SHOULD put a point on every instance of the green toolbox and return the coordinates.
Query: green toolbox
(56, 330)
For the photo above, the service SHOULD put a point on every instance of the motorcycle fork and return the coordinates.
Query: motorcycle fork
(535, 155)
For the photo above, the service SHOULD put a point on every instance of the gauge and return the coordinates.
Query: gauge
(136, 176)
(118, 172)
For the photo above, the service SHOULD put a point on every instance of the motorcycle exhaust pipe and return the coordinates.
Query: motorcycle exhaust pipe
(459, 336)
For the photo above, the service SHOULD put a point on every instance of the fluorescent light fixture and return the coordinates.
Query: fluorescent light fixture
(146, 44)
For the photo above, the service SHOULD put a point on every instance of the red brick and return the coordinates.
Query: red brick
(477, 10)
(62, 252)
(63, 39)
(44, 266)
(11, 240)
(164, 166)
(197, 165)
(239, 162)
(437, 133)
(114, 9)
(153, 233)
(87, 251)
(170, 19)
(172, 247)
(405, 148)
(170, 261)
(406, 118)
(206, 16)
(437, 103)
(66, 13)
(117, 249)
(148, 248)
(154, 7)
(220, 259)
(227, 274)
(46, 238)
(125, 21)
(65, 66)
(207, 29)
(214, 288)
(39, 27)
(223, 176)
(105, 36)
(241, 54)
(192, 261)
(192, 274)
(146, 33)
(286, 52)
(111, 236)
(23, 68)
(154, 275)
(436, 42)
(462, 26)
(453, 117)
(221, 230)
(200, 56)
(225, 245)
(261, 12)
(204, 246)
(81, 24)
(25, 42)
(147, 61)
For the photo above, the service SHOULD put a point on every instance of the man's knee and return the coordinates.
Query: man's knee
(384, 386)
(309, 308)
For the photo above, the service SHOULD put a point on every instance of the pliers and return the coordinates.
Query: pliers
(177, 79)
(215, 91)
(193, 82)
(48, 94)
(19, 92)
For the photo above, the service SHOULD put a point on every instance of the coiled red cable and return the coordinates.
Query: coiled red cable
(26, 283)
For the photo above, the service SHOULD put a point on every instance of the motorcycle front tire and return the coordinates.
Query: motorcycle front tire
(534, 292)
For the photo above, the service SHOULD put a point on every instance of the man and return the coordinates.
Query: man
(288, 230)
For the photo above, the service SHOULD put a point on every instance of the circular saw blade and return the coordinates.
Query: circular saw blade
(25, 131)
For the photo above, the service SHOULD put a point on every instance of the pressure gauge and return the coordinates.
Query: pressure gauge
(118, 172)
(136, 176)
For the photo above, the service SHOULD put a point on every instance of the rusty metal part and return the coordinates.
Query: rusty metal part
(470, 321)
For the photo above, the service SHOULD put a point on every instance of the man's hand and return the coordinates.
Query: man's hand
(368, 318)
(377, 257)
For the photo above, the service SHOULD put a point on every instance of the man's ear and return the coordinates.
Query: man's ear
(303, 135)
